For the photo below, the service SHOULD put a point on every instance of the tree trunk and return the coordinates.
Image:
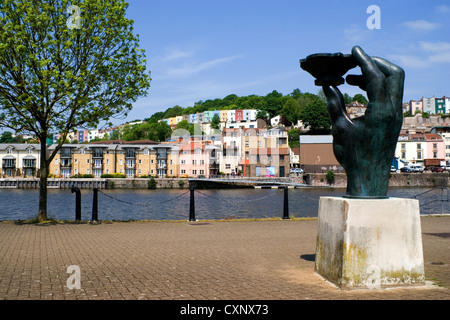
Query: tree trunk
(42, 215)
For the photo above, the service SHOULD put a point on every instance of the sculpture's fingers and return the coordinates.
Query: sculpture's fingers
(395, 77)
(336, 106)
(356, 80)
(373, 77)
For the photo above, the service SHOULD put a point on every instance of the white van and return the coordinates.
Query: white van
(416, 168)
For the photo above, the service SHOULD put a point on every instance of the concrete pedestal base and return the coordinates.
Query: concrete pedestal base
(371, 244)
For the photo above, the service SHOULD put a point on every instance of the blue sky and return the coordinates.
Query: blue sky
(199, 49)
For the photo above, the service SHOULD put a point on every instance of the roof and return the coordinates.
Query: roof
(304, 139)
(20, 146)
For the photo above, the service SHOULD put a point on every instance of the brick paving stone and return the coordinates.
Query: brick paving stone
(224, 260)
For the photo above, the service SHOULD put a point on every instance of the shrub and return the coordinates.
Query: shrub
(151, 184)
(330, 177)
(113, 175)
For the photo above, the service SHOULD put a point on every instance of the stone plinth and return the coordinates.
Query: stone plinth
(364, 243)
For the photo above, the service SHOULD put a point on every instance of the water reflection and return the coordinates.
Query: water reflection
(174, 204)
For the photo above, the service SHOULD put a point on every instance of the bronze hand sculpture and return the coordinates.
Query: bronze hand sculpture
(364, 146)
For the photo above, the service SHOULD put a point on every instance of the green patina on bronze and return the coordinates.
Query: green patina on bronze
(364, 146)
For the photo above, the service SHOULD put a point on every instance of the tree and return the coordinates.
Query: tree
(185, 125)
(315, 116)
(60, 71)
(7, 137)
(294, 135)
(360, 98)
(292, 110)
(215, 122)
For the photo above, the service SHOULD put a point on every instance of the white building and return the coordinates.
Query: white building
(20, 159)
(275, 121)
(447, 104)
(429, 105)
(231, 155)
(421, 149)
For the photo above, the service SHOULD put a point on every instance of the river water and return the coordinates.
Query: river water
(173, 204)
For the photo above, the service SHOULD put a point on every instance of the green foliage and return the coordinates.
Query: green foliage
(360, 98)
(215, 122)
(113, 175)
(294, 140)
(315, 116)
(151, 184)
(53, 78)
(156, 131)
(7, 137)
(330, 177)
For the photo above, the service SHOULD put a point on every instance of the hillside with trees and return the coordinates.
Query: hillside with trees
(306, 107)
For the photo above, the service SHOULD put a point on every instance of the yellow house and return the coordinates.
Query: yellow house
(223, 115)
(132, 160)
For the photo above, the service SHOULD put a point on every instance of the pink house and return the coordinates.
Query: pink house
(198, 158)
(435, 150)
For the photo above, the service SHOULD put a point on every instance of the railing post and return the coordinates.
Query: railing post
(286, 204)
(95, 206)
(77, 203)
(192, 205)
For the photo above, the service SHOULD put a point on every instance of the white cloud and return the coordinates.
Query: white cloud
(443, 9)
(440, 50)
(175, 54)
(426, 55)
(409, 61)
(421, 25)
(189, 68)
(355, 33)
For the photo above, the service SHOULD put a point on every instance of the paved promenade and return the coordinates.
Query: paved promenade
(256, 260)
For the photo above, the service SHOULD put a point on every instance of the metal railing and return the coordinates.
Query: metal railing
(444, 197)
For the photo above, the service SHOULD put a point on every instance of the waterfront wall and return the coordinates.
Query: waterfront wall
(138, 183)
(421, 180)
(425, 180)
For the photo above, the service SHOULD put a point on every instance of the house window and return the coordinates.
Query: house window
(227, 166)
(194, 172)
